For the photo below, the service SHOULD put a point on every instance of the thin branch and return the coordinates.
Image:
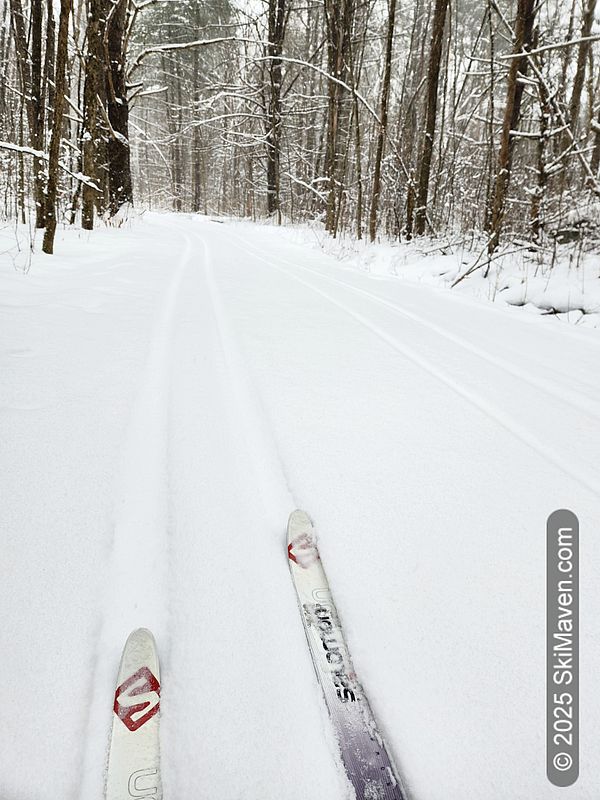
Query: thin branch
(16, 148)
(547, 47)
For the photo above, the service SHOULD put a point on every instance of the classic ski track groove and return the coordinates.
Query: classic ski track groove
(149, 414)
(575, 399)
(253, 424)
(505, 420)
(258, 436)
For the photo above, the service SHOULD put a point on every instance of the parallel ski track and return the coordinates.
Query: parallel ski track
(260, 440)
(499, 416)
(575, 399)
(271, 476)
(141, 523)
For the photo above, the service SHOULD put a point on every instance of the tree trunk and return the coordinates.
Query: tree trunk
(277, 20)
(433, 74)
(61, 86)
(196, 139)
(354, 70)
(94, 93)
(539, 193)
(49, 65)
(582, 56)
(120, 187)
(385, 93)
(339, 15)
(514, 93)
(595, 162)
(37, 113)
(177, 144)
(566, 140)
(30, 69)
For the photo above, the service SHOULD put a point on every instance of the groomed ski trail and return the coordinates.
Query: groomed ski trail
(187, 384)
(455, 457)
(238, 659)
(195, 374)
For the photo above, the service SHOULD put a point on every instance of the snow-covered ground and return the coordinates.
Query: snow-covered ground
(170, 392)
(562, 280)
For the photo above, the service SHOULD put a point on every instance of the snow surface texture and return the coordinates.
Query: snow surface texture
(565, 283)
(170, 392)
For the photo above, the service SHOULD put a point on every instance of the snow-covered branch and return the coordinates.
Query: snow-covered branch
(15, 148)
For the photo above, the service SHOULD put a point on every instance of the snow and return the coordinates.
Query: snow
(565, 283)
(171, 390)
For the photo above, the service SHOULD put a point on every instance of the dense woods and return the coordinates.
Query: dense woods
(377, 117)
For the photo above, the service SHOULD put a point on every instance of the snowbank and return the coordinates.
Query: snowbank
(564, 282)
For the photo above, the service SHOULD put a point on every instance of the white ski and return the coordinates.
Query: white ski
(134, 759)
(366, 759)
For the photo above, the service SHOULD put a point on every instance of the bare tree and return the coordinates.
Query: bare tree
(60, 84)
(582, 60)
(383, 120)
(339, 16)
(119, 156)
(30, 71)
(433, 74)
(93, 134)
(514, 92)
(276, 33)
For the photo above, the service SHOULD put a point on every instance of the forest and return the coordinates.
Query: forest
(375, 117)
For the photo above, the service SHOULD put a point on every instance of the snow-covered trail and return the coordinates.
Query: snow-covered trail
(237, 662)
(166, 405)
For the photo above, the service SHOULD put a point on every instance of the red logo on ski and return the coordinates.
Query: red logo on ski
(137, 699)
(303, 551)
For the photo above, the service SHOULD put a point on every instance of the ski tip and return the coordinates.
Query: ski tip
(299, 522)
(139, 673)
(141, 635)
(302, 544)
(140, 648)
(300, 518)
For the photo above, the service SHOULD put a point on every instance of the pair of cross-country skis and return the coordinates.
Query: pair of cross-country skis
(134, 758)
